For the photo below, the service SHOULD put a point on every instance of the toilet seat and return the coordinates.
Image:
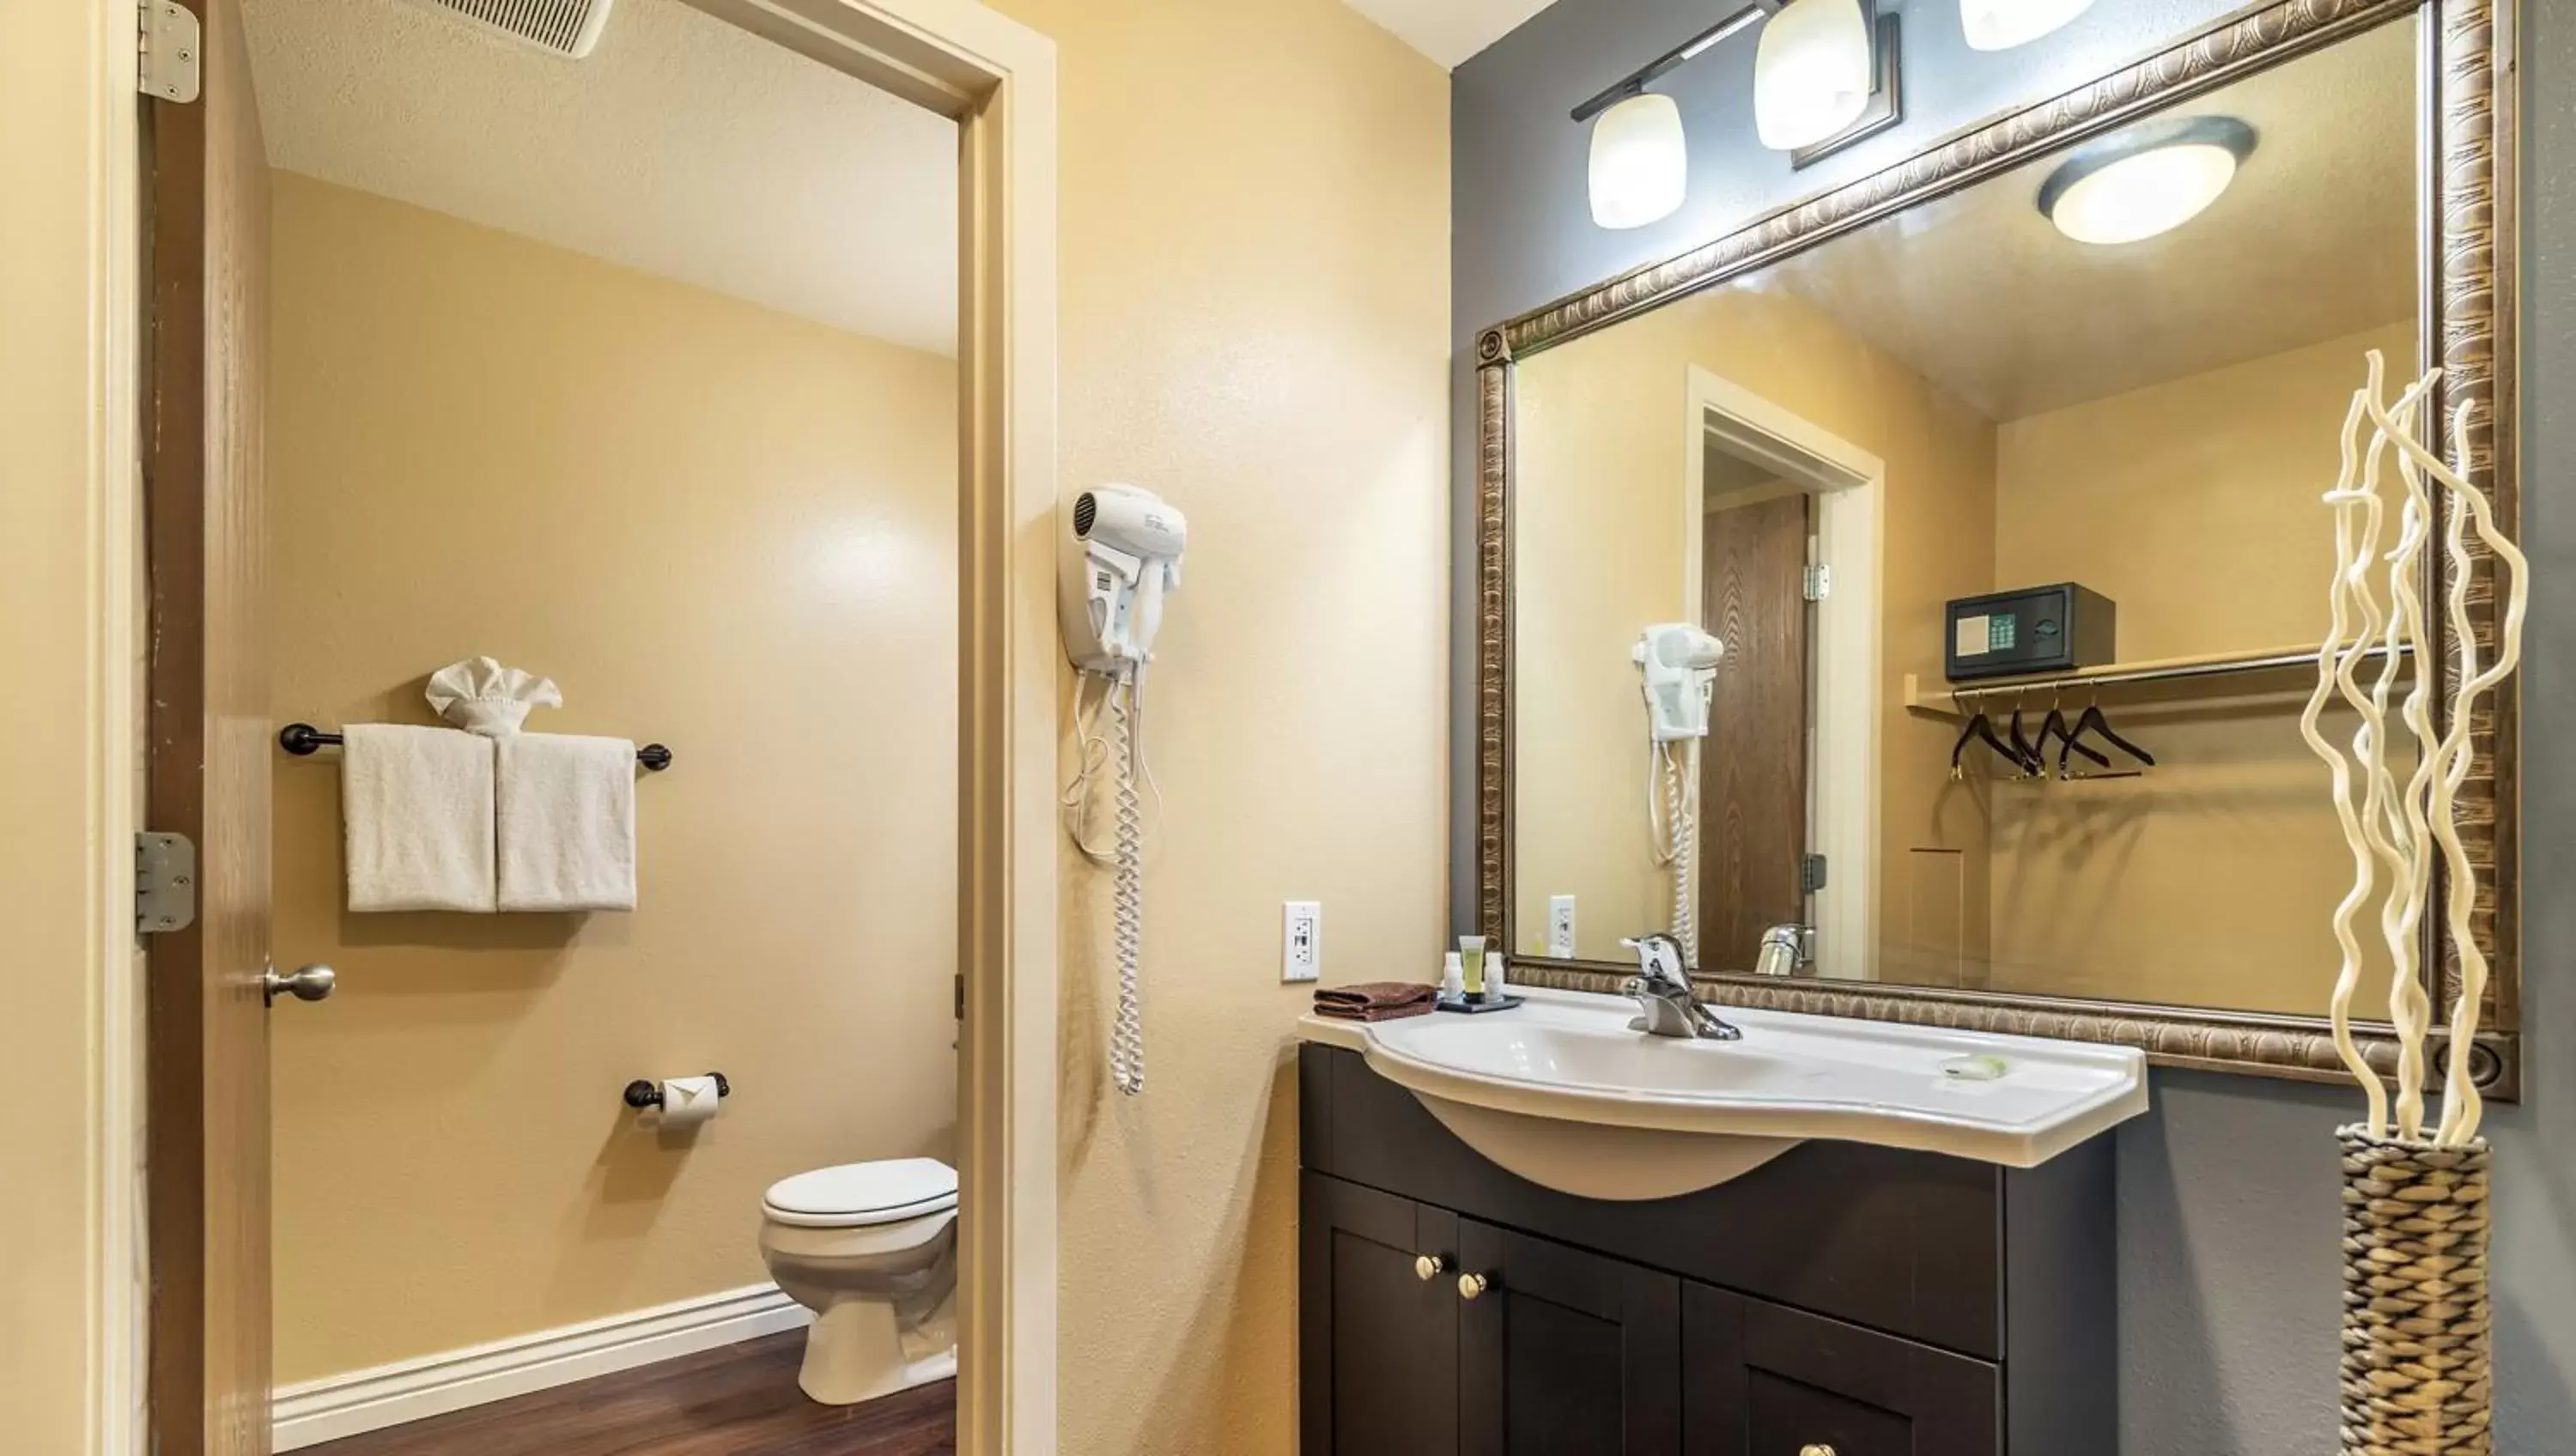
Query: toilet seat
(863, 1195)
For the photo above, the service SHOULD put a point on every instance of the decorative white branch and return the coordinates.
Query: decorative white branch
(2400, 830)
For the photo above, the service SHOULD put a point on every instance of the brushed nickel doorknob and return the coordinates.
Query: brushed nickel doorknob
(310, 983)
(1427, 1267)
(1471, 1285)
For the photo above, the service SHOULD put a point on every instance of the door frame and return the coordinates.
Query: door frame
(997, 79)
(1849, 485)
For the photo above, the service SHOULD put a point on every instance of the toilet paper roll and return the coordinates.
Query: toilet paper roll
(688, 1101)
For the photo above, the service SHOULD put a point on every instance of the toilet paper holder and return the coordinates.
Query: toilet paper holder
(641, 1094)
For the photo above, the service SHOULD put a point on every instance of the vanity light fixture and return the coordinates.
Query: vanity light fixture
(1812, 73)
(1824, 76)
(2000, 25)
(2147, 180)
(1640, 163)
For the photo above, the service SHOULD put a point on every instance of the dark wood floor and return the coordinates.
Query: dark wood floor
(741, 1400)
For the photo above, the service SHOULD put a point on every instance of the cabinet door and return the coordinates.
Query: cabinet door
(1765, 1380)
(1564, 1353)
(1378, 1341)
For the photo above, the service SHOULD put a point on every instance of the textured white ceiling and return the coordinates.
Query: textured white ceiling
(1449, 31)
(2317, 239)
(682, 146)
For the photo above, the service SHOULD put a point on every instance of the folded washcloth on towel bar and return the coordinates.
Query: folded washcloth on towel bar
(1375, 1001)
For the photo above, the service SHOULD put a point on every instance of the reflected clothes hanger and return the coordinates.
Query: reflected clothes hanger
(1980, 727)
(2055, 723)
(2092, 721)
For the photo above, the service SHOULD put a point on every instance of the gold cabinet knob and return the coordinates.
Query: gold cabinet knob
(1427, 1267)
(1818, 1449)
(1471, 1285)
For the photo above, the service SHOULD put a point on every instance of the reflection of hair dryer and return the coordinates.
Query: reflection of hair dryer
(1131, 542)
(1680, 664)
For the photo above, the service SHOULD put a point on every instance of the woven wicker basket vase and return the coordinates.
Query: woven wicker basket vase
(2418, 1362)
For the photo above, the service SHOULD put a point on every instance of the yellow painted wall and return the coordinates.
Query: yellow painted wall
(2193, 505)
(1602, 536)
(1255, 310)
(718, 527)
(57, 181)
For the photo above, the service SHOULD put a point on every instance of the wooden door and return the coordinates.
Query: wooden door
(1564, 1352)
(1753, 767)
(1765, 1378)
(205, 526)
(1378, 1341)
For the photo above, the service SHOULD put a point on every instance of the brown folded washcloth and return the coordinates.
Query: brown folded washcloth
(1375, 1001)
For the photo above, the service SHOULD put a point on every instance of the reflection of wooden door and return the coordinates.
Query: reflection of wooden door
(205, 522)
(1753, 769)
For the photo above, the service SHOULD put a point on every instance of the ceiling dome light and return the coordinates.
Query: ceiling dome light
(2147, 180)
(1811, 73)
(1640, 166)
(1999, 25)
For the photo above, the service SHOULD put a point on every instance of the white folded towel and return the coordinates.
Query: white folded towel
(567, 822)
(417, 804)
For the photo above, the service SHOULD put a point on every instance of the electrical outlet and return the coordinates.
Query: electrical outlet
(1560, 927)
(1301, 940)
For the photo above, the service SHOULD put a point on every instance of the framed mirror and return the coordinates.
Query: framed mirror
(1908, 600)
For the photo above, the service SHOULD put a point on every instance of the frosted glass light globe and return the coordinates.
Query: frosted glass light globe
(2138, 197)
(1811, 73)
(1640, 163)
(1999, 25)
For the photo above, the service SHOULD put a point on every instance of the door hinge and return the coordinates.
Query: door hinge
(1811, 873)
(169, 52)
(165, 883)
(1819, 583)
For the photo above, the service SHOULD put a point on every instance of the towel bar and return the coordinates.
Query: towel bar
(304, 740)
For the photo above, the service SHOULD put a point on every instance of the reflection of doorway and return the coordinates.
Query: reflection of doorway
(1791, 766)
(1753, 776)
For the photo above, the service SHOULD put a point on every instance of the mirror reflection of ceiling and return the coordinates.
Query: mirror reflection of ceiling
(683, 146)
(2316, 239)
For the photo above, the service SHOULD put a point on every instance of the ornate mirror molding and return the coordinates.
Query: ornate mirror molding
(2468, 91)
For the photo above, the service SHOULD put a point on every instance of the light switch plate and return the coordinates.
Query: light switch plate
(1301, 940)
(1560, 927)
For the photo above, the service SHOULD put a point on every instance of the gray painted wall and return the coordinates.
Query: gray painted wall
(2228, 1261)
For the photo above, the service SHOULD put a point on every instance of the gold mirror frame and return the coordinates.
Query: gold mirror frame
(2468, 96)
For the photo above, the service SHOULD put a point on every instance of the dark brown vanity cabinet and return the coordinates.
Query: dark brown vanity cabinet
(1842, 1299)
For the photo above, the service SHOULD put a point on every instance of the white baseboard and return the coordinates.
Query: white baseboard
(390, 1395)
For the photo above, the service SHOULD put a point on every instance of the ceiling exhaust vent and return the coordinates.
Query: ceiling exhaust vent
(558, 27)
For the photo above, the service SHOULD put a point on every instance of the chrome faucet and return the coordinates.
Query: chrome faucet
(1665, 1002)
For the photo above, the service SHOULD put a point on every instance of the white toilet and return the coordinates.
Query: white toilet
(871, 1248)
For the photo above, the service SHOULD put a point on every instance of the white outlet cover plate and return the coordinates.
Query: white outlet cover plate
(1301, 940)
(1560, 927)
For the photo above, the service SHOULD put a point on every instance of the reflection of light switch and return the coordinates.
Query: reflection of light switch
(1560, 927)
(1301, 943)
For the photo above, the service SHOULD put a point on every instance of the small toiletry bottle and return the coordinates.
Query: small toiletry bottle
(1471, 958)
(1453, 980)
(1494, 986)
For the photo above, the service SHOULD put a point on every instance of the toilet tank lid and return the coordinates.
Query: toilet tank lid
(865, 1187)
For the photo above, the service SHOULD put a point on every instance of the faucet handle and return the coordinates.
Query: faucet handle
(1659, 958)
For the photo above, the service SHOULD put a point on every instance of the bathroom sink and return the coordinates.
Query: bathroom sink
(1563, 1092)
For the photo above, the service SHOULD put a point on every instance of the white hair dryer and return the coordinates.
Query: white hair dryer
(1130, 543)
(1123, 557)
(1679, 664)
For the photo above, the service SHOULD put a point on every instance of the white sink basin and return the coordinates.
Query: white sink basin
(1564, 1093)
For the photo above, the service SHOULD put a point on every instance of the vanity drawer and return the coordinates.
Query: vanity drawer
(1900, 1241)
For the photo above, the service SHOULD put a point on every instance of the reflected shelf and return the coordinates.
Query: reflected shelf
(1949, 700)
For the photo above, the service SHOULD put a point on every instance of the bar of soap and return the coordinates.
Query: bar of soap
(1975, 1069)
